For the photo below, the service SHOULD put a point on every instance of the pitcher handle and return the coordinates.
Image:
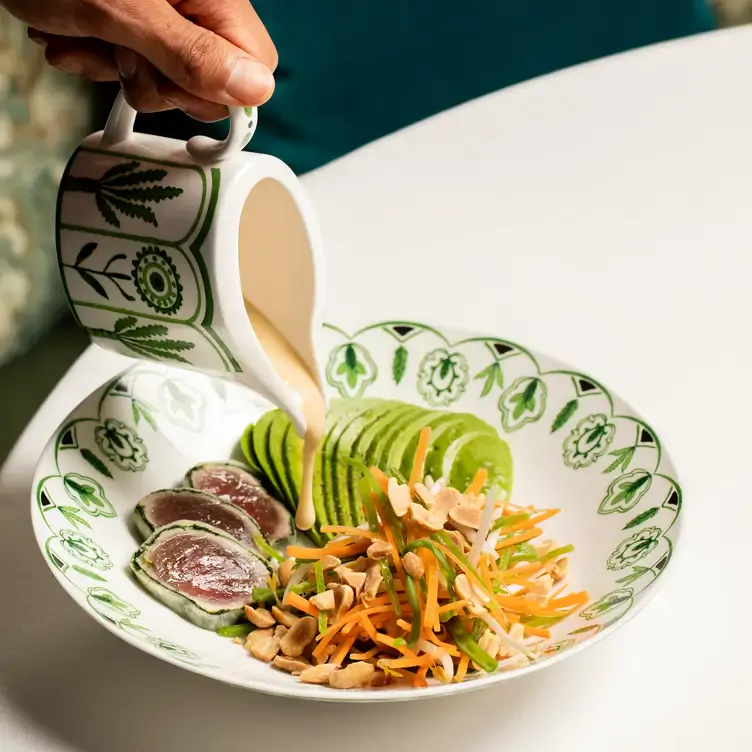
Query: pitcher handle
(243, 122)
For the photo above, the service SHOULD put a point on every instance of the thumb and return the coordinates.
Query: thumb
(200, 61)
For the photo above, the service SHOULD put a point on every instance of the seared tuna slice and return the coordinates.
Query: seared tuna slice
(174, 504)
(199, 572)
(235, 484)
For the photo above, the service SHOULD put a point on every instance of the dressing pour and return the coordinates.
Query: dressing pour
(293, 371)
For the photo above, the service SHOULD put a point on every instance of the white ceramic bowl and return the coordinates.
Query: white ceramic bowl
(575, 446)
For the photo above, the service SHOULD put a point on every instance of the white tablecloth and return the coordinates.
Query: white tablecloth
(602, 214)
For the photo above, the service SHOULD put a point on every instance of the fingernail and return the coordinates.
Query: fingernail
(126, 62)
(249, 80)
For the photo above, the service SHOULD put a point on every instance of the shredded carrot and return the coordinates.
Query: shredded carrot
(573, 599)
(470, 574)
(405, 626)
(445, 646)
(341, 552)
(484, 573)
(559, 591)
(420, 677)
(367, 655)
(476, 485)
(381, 479)
(537, 631)
(459, 674)
(338, 658)
(352, 615)
(296, 601)
(369, 629)
(423, 661)
(515, 539)
(390, 539)
(431, 615)
(355, 532)
(420, 455)
(454, 606)
(520, 570)
(532, 522)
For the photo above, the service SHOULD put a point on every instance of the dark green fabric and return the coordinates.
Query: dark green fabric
(353, 70)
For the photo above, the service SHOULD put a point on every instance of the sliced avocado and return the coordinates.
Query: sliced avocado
(292, 454)
(246, 446)
(261, 451)
(346, 449)
(437, 425)
(337, 411)
(397, 453)
(331, 457)
(388, 431)
(445, 438)
(278, 430)
(486, 450)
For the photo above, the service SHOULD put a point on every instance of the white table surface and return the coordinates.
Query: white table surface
(603, 215)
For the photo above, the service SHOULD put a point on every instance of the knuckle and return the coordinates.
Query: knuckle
(200, 59)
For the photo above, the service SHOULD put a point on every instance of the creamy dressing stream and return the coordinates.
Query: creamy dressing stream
(294, 372)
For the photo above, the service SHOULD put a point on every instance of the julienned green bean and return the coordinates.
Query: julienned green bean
(412, 599)
(263, 595)
(368, 508)
(507, 521)
(386, 574)
(471, 648)
(320, 588)
(266, 548)
(235, 630)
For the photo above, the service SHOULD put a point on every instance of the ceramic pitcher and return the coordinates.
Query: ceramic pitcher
(160, 240)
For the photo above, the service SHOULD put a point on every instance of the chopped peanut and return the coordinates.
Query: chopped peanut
(294, 666)
(379, 549)
(559, 570)
(464, 514)
(262, 644)
(372, 583)
(284, 617)
(423, 519)
(399, 497)
(344, 597)
(318, 674)
(446, 499)
(300, 635)
(355, 580)
(413, 565)
(424, 495)
(324, 601)
(259, 617)
(542, 585)
(329, 562)
(355, 675)
(284, 572)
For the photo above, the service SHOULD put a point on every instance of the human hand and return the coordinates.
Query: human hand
(199, 56)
